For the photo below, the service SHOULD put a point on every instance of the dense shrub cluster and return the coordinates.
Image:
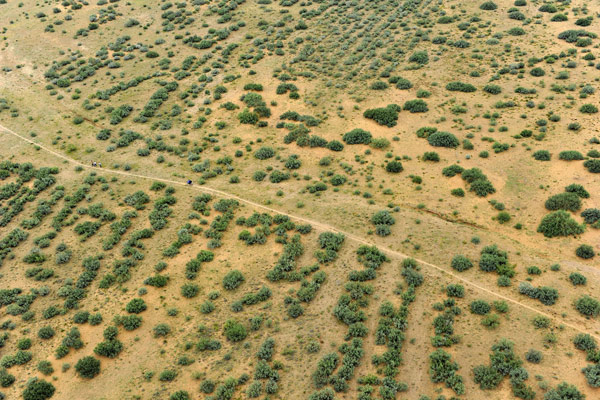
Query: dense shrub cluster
(286, 264)
(460, 87)
(564, 201)
(494, 259)
(443, 139)
(546, 295)
(387, 116)
(382, 221)
(357, 136)
(478, 182)
(415, 106)
(559, 223)
(443, 369)
(504, 363)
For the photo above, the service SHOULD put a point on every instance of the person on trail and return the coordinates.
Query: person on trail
(93, 163)
(189, 182)
(100, 164)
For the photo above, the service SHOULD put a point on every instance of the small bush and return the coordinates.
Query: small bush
(387, 116)
(577, 279)
(585, 251)
(587, 306)
(570, 155)
(136, 306)
(585, 342)
(189, 290)
(264, 153)
(234, 331)
(443, 139)
(488, 6)
(233, 279)
(588, 109)
(88, 367)
(461, 263)
(38, 389)
(460, 87)
(394, 167)
(415, 106)
(455, 291)
(592, 166)
(480, 307)
(579, 190)
(542, 155)
(534, 356)
(492, 89)
(357, 136)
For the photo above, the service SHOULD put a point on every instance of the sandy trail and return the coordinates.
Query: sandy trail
(320, 225)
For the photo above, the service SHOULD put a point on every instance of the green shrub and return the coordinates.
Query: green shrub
(592, 374)
(264, 153)
(233, 279)
(577, 279)
(570, 155)
(579, 190)
(425, 131)
(38, 389)
(488, 6)
(537, 72)
(46, 332)
(455, 291)
(592, 166)
(6, 379)
(559, 223)
(487, 377)
(88, 367)
(541, 322)
(460, 87)
(534, 356)
(585, 251)
(248, 117)
(161, 330)
(588, 109)
(461, 263)
(480, 307)
(325, 368)
(431, 156)
(503, 217)
(181, 394)
(383, 218)
(443, 139)
(168, 375)
(387, 116)
(136, 306)
(419, 57)
(234, 331)
(379, 85)
(542, 155)
(189, 290)
(394, 167)
(492, 89)
(591, 215)
(585, 342)
(564, 201)
(110, 348)
(415, 106)
(357, 136)
(564, 391)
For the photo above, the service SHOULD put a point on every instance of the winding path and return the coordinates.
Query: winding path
(322, 226)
